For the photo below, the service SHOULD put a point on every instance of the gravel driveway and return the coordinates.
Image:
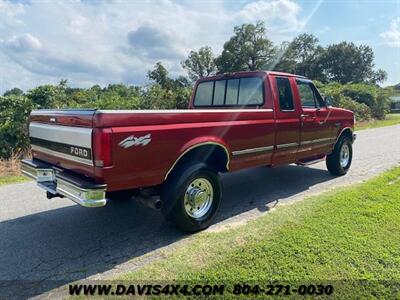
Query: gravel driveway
(47, 243)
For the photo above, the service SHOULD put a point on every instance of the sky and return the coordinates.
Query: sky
(92, 42)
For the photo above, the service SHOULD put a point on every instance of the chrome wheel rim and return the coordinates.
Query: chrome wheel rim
(198, 198)
(344, 155)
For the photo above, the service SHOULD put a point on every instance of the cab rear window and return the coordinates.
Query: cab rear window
(246, 91)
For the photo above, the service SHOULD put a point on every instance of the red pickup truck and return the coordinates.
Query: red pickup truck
(171, 159)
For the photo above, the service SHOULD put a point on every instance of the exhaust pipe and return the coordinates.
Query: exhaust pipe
(153, 202)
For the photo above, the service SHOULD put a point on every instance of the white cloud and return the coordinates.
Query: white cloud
(9, 13)
(279, 14)
(24, 43)
(392, 35)
(104, 42)
(77, 23)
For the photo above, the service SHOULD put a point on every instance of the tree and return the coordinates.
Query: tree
(14, 115)
(14, 92)
(165, 92)
(49, 96)
(159, 75)
(347, 63)
(247, 49)
(301, 56)
(285, 58)
(43, 96)
(200, 63)
(378, 76)
(183, 81)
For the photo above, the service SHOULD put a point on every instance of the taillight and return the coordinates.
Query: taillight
(102, 144)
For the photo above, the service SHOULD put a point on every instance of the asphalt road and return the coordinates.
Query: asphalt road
(47, 243)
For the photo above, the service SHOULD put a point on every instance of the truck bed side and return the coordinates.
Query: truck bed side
(244, 134)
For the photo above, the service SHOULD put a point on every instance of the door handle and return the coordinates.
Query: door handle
(307, 116)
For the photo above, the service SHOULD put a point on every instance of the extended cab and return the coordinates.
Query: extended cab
(171, 159)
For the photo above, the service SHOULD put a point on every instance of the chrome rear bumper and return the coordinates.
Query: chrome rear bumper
(60, 183)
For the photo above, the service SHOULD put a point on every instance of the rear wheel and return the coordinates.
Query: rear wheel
(339, 161)
(191, 197)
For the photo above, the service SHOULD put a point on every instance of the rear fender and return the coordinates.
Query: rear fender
(199, 142)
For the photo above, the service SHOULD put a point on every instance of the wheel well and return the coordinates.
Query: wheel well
(214, 155)
(348, 133)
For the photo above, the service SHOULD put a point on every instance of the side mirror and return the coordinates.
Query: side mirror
(328, 100)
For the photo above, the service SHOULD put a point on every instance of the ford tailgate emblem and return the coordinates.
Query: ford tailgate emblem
(135, 141)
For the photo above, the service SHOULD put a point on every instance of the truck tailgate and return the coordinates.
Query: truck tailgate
(63, 138)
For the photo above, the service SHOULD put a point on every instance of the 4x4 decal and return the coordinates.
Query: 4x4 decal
(135, 141)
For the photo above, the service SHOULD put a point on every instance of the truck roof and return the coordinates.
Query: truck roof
(248, 73)
(284, 74)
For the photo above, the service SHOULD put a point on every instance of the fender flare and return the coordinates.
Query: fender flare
(341, 133)
(197, 145)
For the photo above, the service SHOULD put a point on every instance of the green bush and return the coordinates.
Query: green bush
(155, 97)
(361, 111)
(381, 106)
(362, 93)
(14, 114)
(371, 95)
(48, 96)
(367, 101)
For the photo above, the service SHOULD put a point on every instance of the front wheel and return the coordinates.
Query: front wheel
(339, 161)
(191, 197)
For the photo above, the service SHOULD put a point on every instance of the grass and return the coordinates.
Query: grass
(12, 179)
(391, 119)
(348, 238)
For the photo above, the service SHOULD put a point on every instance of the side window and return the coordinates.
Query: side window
(250, 91)
(232, 90)
(318, 97)
(219, 92)
(285, 94)
(306, 94)
(204, 94)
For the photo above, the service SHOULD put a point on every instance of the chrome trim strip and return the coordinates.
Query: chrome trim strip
(74, 136)
(195, 146)
(311, 147)
(280, 146)
(252, 150)
(61, 112)
(317, 141)
(174, 111)
(62, 155)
